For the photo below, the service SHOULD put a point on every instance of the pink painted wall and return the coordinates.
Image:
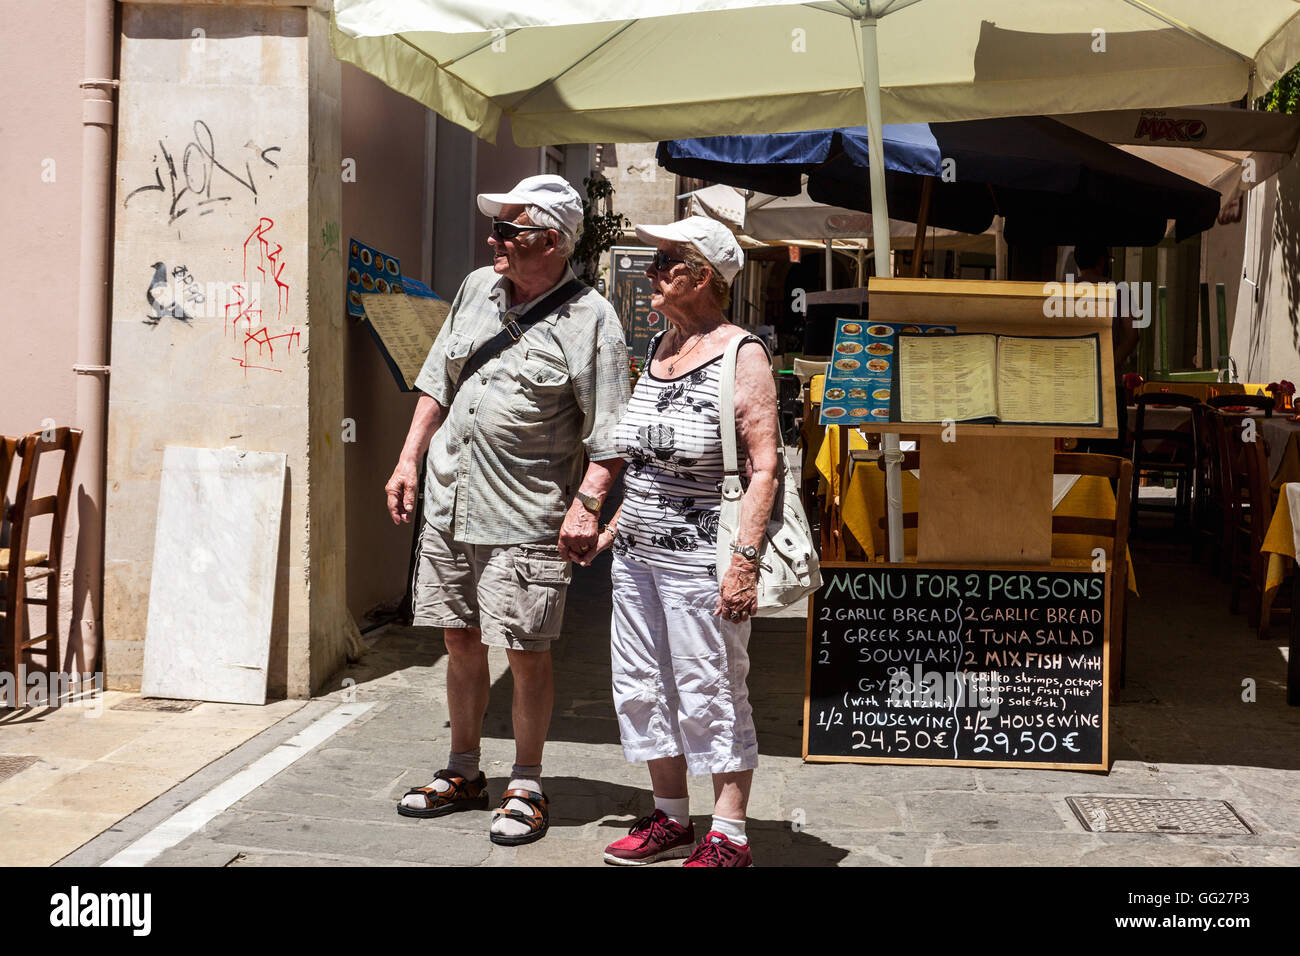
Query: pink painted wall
(384, 132)
(40, 122)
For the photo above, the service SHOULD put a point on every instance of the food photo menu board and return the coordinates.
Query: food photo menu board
(859, 380)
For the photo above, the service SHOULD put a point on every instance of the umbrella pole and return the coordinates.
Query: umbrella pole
(880, 246)
(829, 264)
(918, 242)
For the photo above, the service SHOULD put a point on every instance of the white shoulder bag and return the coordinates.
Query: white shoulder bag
(788, 570)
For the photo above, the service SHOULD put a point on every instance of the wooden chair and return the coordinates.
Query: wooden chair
(1174, 455)
(20, 566)
(911, 462)
(1261, 402)
(1208, 505)
(8, 449)
(1115, 530)
(1252, 510)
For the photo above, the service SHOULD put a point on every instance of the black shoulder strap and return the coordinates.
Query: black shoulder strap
(515, 329)
(653, 346)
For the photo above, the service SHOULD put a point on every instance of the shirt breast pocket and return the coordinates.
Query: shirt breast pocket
(543, 381)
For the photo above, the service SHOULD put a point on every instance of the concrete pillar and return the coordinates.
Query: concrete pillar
(228, 194)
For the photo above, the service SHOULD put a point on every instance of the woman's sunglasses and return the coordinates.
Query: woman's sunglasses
(503, 231)
(662, 261)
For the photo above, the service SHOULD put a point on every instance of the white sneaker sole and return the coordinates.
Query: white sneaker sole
(676, 853)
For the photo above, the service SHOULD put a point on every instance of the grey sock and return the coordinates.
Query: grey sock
(466, 763)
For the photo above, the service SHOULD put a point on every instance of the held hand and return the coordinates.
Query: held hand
(604, 541)
(738, 596)
(401, 489)
(578, 533)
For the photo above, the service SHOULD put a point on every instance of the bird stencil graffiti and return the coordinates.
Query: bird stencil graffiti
(161, 297)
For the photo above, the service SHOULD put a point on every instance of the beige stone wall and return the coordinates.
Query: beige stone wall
(227, 176)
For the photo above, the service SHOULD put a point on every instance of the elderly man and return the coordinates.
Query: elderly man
(528, 372)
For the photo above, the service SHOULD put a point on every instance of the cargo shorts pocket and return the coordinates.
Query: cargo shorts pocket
(543, 578)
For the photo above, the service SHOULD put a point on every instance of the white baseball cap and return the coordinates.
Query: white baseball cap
(711, 238)
(550, 192)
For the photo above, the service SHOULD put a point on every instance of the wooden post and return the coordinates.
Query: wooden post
(1162, 302)
(1207, 352)
(1221, 301)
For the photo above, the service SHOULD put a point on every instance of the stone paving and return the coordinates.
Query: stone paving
(1181, 730)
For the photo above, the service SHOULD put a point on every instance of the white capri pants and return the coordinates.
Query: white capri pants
(679, 671)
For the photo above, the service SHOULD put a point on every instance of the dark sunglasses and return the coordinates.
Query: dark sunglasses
(503, 231)
(662, 261)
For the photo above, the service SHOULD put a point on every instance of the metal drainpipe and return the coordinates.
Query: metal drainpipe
(97, 133)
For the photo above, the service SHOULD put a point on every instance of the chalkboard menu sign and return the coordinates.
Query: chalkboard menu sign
(630, 295)
(997, 667)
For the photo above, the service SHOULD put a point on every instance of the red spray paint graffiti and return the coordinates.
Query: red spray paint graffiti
(263, 266)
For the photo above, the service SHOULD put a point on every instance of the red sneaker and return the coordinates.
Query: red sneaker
(717, 850)
(652, 838)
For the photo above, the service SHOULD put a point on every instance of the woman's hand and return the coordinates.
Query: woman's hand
(603, 541)
(738, 596)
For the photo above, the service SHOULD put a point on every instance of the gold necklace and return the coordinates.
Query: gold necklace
(699, 337)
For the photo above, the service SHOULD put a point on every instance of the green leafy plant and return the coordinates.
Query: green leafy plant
(602, 227)
(1284, 97)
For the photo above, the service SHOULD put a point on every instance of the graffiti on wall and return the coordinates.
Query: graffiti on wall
(199, 181)
(263, 269)
(165, 299)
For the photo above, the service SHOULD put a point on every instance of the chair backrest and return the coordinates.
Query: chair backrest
(1228, 447)
(8, 449)
(1254, 462)
(1261, 402)
(1120, 470)
(805, 369)
(1184, 442)
(31, 448)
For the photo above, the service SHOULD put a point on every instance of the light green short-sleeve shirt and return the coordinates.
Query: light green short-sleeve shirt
(508, 457)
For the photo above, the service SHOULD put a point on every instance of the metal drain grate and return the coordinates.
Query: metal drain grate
(10, 765)
(1155, 815)
(157, 704)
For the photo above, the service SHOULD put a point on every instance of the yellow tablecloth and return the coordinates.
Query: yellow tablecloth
(1279, 545)
(863, 505)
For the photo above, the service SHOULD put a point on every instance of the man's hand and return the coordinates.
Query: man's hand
(738, 596)
(578, 533)
(401, 490)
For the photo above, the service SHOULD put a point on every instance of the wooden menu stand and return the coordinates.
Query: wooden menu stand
(986, 497)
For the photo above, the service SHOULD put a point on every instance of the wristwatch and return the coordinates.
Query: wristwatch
(746, 551)
(590, 502)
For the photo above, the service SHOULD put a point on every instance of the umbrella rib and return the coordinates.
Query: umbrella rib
(443, 67)
(1184, 28)
(533, 92)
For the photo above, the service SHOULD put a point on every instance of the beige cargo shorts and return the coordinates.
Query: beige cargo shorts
(514, 594)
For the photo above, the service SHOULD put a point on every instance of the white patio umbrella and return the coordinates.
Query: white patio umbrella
(577, 71)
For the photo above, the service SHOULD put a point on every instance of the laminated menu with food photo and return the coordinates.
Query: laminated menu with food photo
(859, 380)
(1004, 379)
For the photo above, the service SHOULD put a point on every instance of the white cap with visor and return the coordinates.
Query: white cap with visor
(548, 191)
(710, 238)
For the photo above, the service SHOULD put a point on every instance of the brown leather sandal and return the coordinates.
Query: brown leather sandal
(539, 820)
(463, 795)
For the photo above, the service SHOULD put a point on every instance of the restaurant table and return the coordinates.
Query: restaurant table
(1283, 449)
(1282, 548)
(863, 504)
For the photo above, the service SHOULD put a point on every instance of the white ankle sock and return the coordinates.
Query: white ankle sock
(677, 809)
(733, 830)
(521, 778)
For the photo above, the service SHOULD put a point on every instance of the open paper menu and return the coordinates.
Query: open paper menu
(1023, 380)
(859, 385)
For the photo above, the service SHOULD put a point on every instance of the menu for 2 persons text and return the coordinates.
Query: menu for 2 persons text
(1023, 380)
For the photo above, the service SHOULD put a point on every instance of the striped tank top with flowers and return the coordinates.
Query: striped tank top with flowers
(670, 438)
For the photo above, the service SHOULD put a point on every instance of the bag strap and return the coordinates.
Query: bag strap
(727, 401)
(515, 328)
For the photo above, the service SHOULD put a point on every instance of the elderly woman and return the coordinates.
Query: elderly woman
(678, 648)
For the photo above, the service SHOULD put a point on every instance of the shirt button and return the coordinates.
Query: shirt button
(471, 409)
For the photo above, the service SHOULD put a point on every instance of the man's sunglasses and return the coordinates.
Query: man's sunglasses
(502, 230)
(662, 261)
